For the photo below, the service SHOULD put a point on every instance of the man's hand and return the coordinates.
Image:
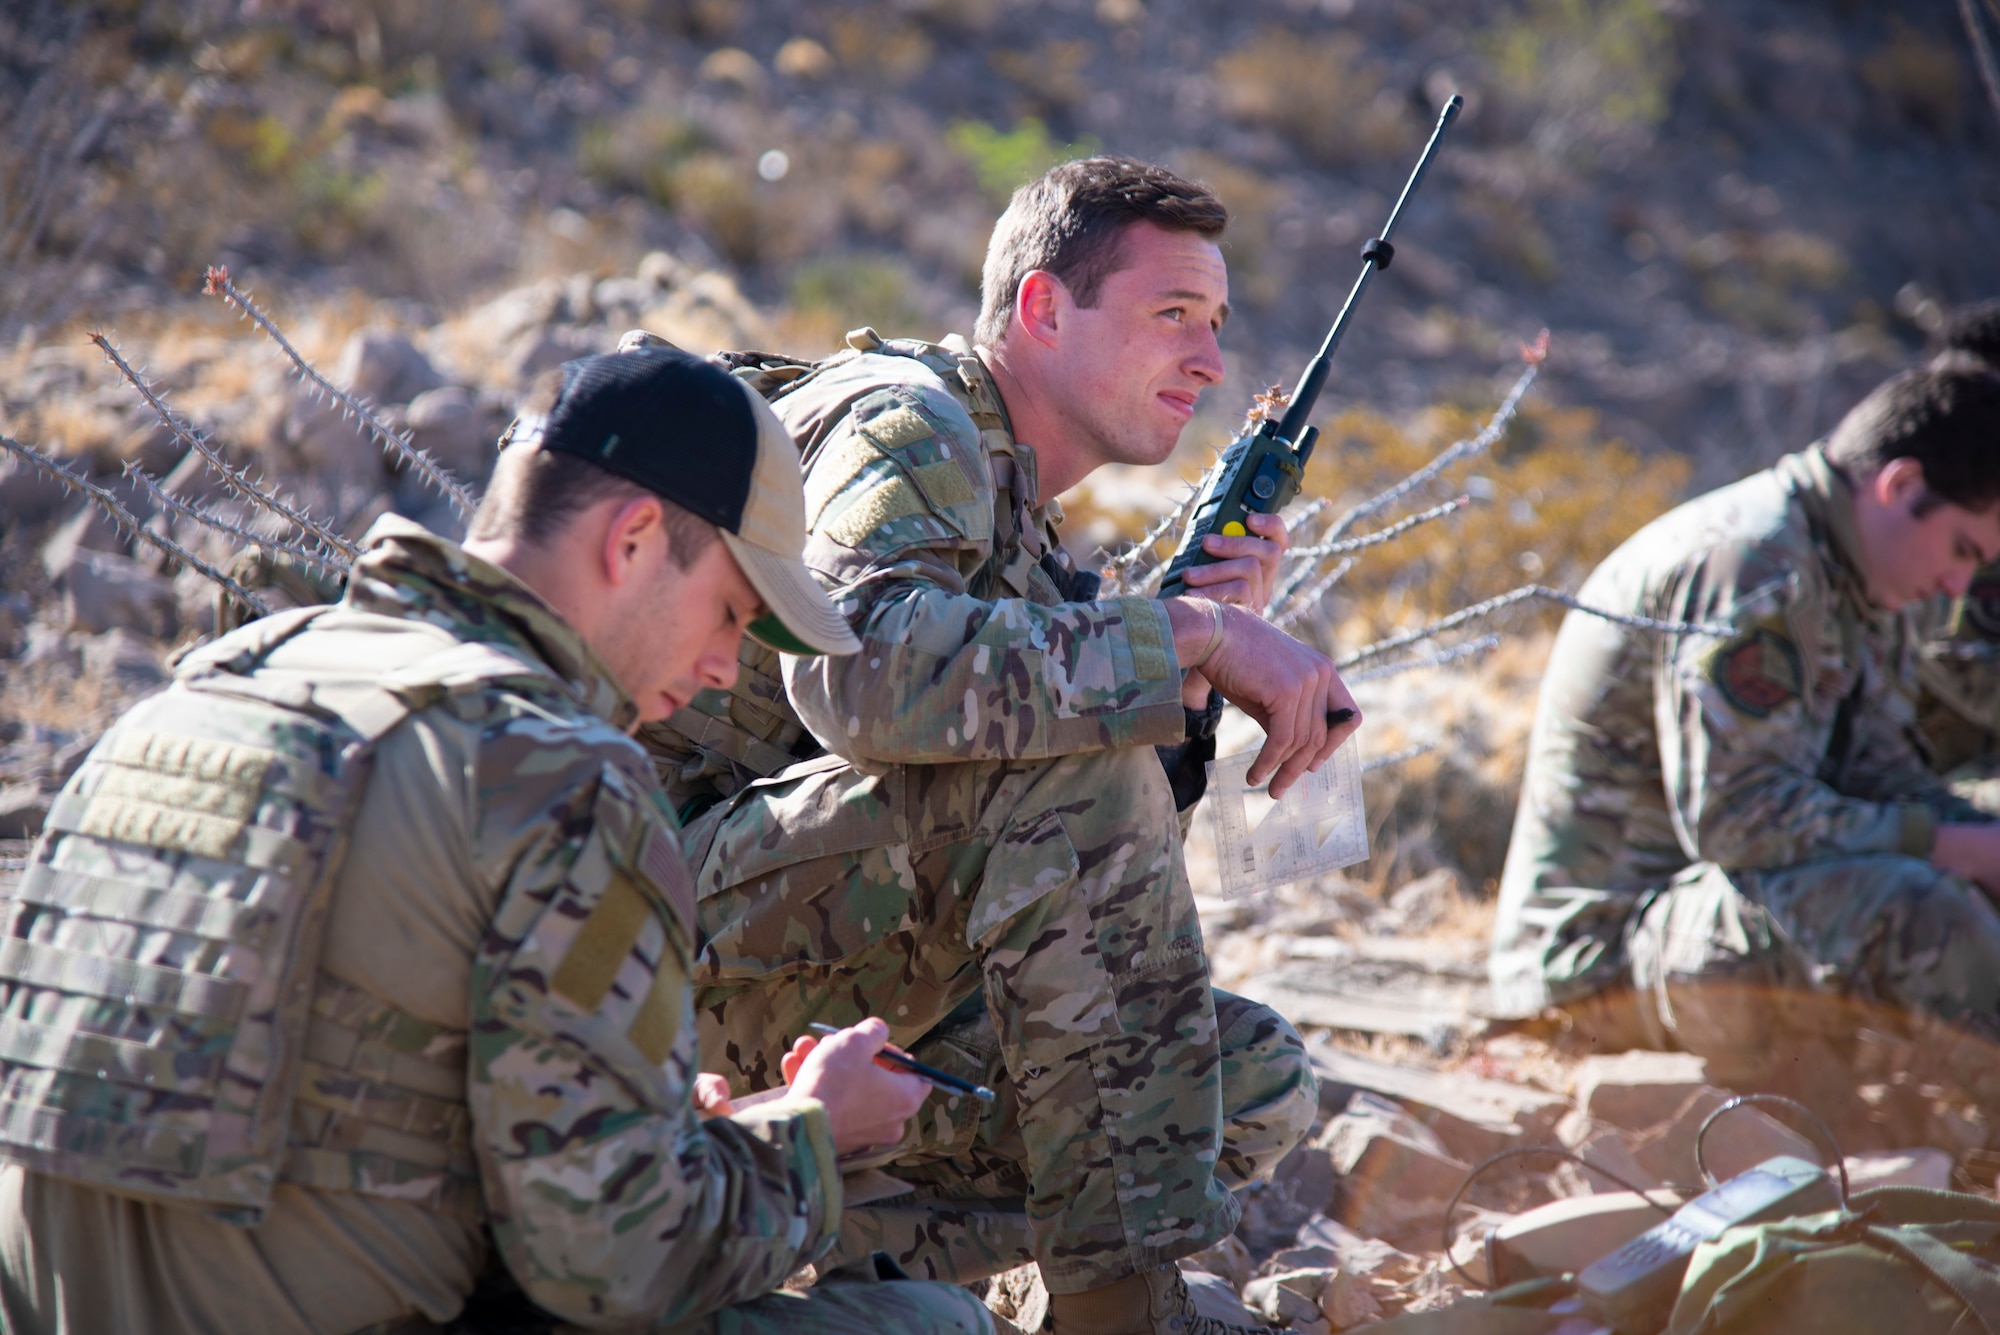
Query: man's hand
(1247, 572)
(1972, 851)
(1289, 688)
(1245, 577)
(711, 1095)
(866, 1105)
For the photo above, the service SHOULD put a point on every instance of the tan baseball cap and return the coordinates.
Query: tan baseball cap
(683, 427)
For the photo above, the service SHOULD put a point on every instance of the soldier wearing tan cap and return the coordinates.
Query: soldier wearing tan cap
(355, 964)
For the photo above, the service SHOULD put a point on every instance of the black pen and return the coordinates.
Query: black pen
(1336, 717)
(944, 1080)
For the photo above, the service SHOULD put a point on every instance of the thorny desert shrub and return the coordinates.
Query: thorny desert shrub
(877, 41)
(1556, 497)
(1052, 74)
(1917, 79)
(1005, 159)
(1324, 94)
(1585, 74)
(833, 295)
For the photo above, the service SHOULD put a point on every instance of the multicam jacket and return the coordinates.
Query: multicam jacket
(503, 988)
(1791, 739)
(1958, 671)
(979, 639)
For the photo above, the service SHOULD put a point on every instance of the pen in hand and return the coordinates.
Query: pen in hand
(901, 1060)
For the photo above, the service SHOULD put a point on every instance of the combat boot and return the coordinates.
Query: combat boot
(1156, 1302)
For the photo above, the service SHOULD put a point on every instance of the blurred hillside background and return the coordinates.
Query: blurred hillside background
(1735, 218)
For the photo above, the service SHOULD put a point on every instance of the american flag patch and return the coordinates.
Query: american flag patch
(662, 861)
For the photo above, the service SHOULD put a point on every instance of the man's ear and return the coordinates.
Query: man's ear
(1039, 306)
(1899, 483)
(636, 529)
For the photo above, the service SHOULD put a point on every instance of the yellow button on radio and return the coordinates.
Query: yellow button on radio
(1234, 529)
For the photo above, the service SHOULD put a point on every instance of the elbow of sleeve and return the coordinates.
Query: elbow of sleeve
(590, 1306)
(1733, 844)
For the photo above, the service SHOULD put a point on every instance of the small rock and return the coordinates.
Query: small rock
(623, 296)
(706, 314)
(512, 314)
(124, 657)
(23, 808)
(1228, 1259)
(1427, 901)
(27, 494)
(544, 349)
(1899, 1168)
(1741, 1139)
(1290, 1301)
(49, 644)
(1327, 1242)
(451, 425)
(663, 271)
(1474, 1117)
(102, 591)
(1301, 1187)
(88, 530)
(195, 597)
(69, 758)
(1314, 1299)
(1215, 1298)
(14, 613)
(803, 58)
(1395, 1174)
(1018, 1296)
(323, 439)
(1606, 1148)
(382, 364)
(1638, 1090)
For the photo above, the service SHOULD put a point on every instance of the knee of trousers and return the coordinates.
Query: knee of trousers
(1706, 961)
(1090, 830)
(1270, 1094)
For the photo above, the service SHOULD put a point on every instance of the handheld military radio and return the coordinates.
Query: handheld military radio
(1263, 468)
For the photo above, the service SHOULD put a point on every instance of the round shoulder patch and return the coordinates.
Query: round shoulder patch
(1758, 672)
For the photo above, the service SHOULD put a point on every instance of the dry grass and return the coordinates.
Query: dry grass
(1323, 93)
(56, 696)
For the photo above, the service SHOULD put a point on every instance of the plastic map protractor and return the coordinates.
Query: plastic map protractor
(1319, 826)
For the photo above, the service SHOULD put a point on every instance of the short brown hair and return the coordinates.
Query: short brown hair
(1070, 221)
(1946, 418)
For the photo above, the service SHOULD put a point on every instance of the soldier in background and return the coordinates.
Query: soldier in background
(967, 829)
(1724, 823)
(1958, 668)
(220, 1114)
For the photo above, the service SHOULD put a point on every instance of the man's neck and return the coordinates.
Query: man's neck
(1062, 457)
(552, 575)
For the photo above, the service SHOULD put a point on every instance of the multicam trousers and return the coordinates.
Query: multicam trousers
(1054, 890)
(1740, 966)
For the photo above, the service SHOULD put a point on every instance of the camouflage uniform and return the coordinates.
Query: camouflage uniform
(498, 1044)
(1705, 815)
(1958, 675)
(993, 822)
